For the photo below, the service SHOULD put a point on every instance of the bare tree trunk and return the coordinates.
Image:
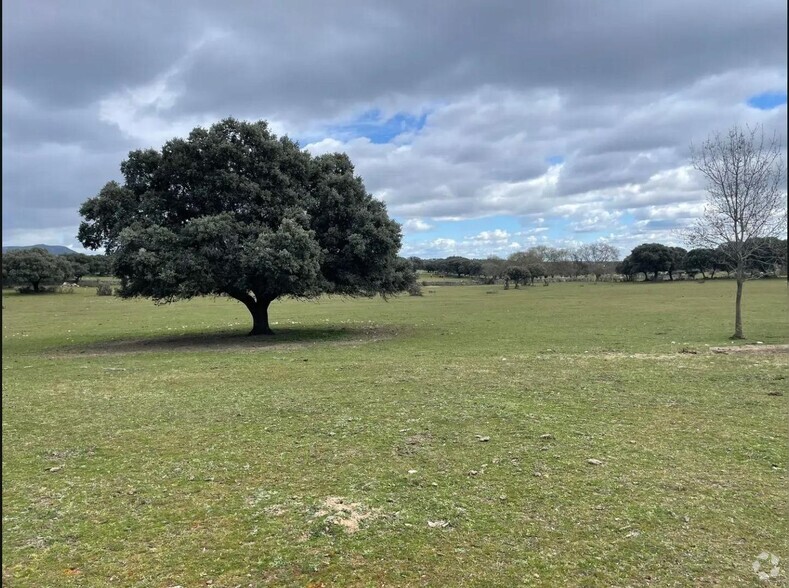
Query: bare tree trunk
(738, 310)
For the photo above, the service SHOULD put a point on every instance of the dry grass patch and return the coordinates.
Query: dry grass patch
(348, 515)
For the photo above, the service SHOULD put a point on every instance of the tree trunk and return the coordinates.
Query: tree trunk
(35, 286)
(258, 308)
(259, 311)
(738, 311)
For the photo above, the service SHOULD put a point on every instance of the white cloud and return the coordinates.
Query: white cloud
(494, 242)
(416, 225)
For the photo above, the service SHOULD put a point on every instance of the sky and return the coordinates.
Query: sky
(486, 126)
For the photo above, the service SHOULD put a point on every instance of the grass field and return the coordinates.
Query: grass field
(441, 440)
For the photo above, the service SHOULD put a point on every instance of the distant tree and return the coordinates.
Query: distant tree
(677, 260)
(597, 258)
(100, 265)
(557, 262)
(578, 264)
(235, 210)
(536, 270)
(493, 268)
(769, 257)
(518, 274)
(745, 177)
(651, 257)
(627, 268)
(699, 261)
(474, 267)
(459, 266)
(79, 265)
(417, 263)
(35, 267)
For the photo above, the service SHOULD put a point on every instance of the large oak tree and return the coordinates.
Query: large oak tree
(236, 210)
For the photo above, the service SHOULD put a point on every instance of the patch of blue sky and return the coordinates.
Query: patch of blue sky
(374, 126)
(555, 159)
(767, 100)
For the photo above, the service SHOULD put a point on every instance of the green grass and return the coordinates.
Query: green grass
(186, 453)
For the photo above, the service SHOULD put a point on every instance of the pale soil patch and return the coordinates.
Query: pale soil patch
(346, 514)
(768, 349)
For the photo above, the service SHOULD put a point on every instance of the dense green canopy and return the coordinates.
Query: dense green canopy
(236, 210)
(34, 267)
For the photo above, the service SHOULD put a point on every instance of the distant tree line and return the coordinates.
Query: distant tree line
(595, 259)
(35, 268)
(651, 259)
(647, 261)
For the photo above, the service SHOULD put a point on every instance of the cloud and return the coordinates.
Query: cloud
(580, 117)
(416, 225)
(483, 244)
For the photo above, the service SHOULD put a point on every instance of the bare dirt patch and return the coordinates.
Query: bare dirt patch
(752, 349)
(347, 515)
(413, 444)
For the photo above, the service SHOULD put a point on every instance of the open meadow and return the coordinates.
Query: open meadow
(571, 435)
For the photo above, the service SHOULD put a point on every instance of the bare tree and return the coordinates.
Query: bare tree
(598, 257)
(745, 198)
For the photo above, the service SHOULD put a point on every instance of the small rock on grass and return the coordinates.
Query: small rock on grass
(482, 438)
(593, 461)
(437, 524)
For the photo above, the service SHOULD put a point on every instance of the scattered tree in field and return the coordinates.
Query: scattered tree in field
(769, 256)
(627, 268)
(417, 263)
(650, 257)
(493, 268)
(700, 261)
(236, 210)
(79, 265)
(597, 258)
(35, 267)
(578, 265)
(100, 265)
(557, 262)
(536, 270)
(461, 266)
(518, 274)
(677, 261)
(746, 197)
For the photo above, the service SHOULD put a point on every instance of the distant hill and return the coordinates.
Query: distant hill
(55, 249)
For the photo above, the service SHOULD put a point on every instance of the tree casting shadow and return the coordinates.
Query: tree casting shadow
(283, 339)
